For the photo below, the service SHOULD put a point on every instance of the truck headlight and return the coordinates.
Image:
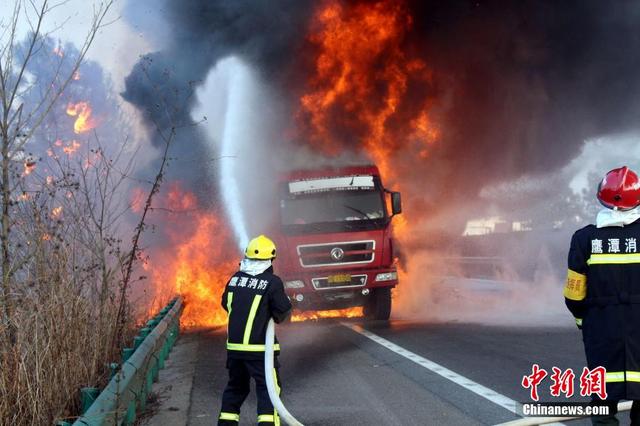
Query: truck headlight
(387, 276)
(294, 284)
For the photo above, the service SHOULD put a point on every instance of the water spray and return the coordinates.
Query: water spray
(239, 95)
(242, 94)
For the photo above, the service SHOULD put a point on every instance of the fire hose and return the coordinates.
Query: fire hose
(271, 379)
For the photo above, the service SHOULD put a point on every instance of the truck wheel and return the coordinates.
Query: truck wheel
(378, 306)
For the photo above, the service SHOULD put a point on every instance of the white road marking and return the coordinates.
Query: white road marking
(483, 391)
(477, 388)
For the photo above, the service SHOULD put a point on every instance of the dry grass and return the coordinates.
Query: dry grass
(63, 343)
(65, 272)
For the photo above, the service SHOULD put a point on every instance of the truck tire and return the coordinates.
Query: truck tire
(378, 306)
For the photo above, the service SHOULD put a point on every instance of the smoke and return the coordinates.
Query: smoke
(514, 90)
(526, 83)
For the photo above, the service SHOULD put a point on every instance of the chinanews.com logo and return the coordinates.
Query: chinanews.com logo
(592, 383)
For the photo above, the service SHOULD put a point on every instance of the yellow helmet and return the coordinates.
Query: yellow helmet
(261, 248)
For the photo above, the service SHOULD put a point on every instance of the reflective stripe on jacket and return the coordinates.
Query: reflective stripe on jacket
(250, 302)
(603, 291)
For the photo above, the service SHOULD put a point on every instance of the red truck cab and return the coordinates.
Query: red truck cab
(334, 242)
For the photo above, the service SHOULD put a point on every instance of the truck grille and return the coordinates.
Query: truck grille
(325, 283)
(333, 254)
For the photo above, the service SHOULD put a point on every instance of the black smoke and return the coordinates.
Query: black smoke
(518, 85)
(192, 36)
(529, 81)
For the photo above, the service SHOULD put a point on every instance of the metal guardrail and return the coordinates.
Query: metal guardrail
(126, 394)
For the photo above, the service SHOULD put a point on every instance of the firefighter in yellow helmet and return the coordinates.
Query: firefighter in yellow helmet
(252, 296)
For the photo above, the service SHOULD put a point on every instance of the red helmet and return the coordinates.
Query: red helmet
(620, 189)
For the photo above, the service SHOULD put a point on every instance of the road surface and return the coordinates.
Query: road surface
(333, 374)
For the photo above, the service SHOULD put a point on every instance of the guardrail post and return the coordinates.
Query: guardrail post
(137, 341)
(87, 396)
(155, 367)
(113, 367)
(126, 354)
(142, 396)
(130, 417)
(148, 382)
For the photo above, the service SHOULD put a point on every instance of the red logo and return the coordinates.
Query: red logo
(592, 382)
(537, 376)
(562, 382)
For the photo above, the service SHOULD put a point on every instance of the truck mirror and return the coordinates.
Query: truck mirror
(396, 203)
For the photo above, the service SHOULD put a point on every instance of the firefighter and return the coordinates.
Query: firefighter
(252, 296)
(603, 290)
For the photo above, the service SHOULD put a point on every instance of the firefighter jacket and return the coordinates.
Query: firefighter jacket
(250, 302)
(603, 294)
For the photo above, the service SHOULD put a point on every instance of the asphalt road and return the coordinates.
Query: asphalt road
(333, 375)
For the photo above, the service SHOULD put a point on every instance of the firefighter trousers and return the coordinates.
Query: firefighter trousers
(611, 419)
(240, 373)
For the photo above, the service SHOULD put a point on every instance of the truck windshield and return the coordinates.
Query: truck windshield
(334, 210)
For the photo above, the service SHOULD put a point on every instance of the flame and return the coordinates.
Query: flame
(56, 212)
(84, 121)
(368, 93)
(137, 199)
(29, 166)
(76, 75)
(196, 263)
(71, 147)
(58, 51)
(336, 313)
(91, 159)
(362, 84)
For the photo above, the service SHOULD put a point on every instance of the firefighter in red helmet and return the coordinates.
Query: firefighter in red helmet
(603, 290)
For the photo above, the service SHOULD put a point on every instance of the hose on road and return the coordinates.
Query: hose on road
(271, 379)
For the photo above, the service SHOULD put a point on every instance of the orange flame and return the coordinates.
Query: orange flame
(336, 313)
(29, 166)
(56, 212)
(368, 93)
(363, 81)
(196, 264)
(71, 147)
(137, 199)
(84, 121)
